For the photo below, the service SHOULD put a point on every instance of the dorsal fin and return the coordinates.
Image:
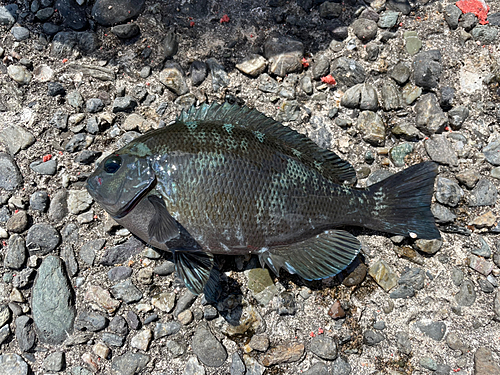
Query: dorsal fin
(327, 162)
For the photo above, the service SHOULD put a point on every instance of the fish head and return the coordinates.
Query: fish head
(120, 181)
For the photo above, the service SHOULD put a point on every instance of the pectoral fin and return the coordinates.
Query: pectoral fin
(315, 258)
(162, 226)
(193, 267)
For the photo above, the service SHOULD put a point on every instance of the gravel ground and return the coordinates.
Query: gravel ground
(385, 84)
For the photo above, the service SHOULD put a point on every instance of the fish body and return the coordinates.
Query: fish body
(224, 179)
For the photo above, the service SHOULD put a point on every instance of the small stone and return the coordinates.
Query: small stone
(145, 276)
(126, 291)
(253, 65)
(10, 177)
(336, 311)
(259, 342)
(448, 192)
(220, 77)
(102, 298)
(172, 76)
(124, 104)
(101, 350)
(330, 10)
(10, 363)
(94, 105)
(486, 286)
(390, 97)
(185, 317)
(287, 304)
(372, 128)
(399, 152)
(126, 31)
(347, 72)
(428, 363)
(435, 330)
(16, 138)
(42, 239)
(90, 321)
(411, 93)
(483, 194)
(484, 363)
(356, 276)
(339, 367)
(39, 200)
(284, 55)
(198, 72)
(402, 291)
(79, 201)
(25, 333)
(364, 29)
(372, 337)
(170, 44)
(129, 363)
(207, 348)
(324, 347)
(142, 339)
(429, 246)
(451, 14)
(16, 254)
(388, 19)
(430, 118)
(480, 264)
(485, 34)
(486, 220)
(467, 294)
(112, 339)
(166, 329)
(285, 353)
(383, 275)
(469, 178)
(412, 42)
(54, 362)
(427, 68)
(45, 168)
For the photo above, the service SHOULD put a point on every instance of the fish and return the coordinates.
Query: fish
(226, 179)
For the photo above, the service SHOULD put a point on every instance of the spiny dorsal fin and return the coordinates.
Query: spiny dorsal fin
(329, 164)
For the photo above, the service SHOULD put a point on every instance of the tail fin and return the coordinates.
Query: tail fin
(401, 203)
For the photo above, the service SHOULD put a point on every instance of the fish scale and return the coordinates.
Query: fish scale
(224, 179)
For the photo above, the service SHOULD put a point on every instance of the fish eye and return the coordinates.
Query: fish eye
(112, 164)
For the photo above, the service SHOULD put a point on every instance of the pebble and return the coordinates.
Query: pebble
(427, 68)
(166, 329)
(340, 367)
(52, 302)
(402, 291)
(492, 152)
(220, 78)
(372, 337)
(287, 305)
(411, 93)
(22, 278)
(388, 19)
(448, 192)
(39, 200)
(372, 128)
(169, 44)
(16, 254)
(483, 251)
(25, 334)
(467, 294)
(414, 277)
(402, 6)
(347, 71)
(403, 343)
(185, 317)
(259, 342)
(124, 104)
(430, 118)
(207, 348)
(94, 105)
(112, 12)
(485, 34)
(429, 246)
(399, 153)
(126, 291)
(454, 341)
(58, 207)
(496, 304)
(90, 321)
(118, 325)
(79, 201)
(412, 43)
(198, 72)
(435, 330)
(330, 10)
(16, 138)
(336, 311)
(486, 286)
(142, 339)
(480, 264)
(129, 363)
(20, 33)
(324, 347)
(356, 277)
(428, 363)
(364, 29)
(112, 339)
(285, 353)
(164, 269)
(11, 363)
(383, 275)
(451, 14)
(390, 97)
(284, 55)
(77, 143)
(126, 31)
(253, 65)
(8, 14)
(48, 167)
(172, 76)
(102, 298)
(193, 367)
(4, 314)
(484, 363)
(122, 253)
(42, 239)
(10, 177)
(237, 365)
(483, 194)
(72, 14)
(54, 362)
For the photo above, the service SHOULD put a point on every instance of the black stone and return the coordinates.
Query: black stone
(55, 88)
(72, 14)
(126, 31)
(112, 12)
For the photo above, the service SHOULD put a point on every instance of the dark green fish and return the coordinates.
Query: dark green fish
(224, 179)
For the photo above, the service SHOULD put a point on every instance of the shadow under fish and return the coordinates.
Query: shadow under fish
(225, 179)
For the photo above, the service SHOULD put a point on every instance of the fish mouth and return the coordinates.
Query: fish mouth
(125, 210)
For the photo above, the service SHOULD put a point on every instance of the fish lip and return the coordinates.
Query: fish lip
(134, 201)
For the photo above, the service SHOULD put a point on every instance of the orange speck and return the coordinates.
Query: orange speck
(328, 80)
(224, 18)
(64, 61)
(305, 63)
(312, 334)
(320, 331)
(46, 157)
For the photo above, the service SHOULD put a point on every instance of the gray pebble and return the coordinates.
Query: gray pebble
(174, 348)
(58, 208)
(492, 152)
(448, 192)
(457, 276)
(75, 99)
(330, 10)
(25, 334)
(237, 365)
(59, 120)
(69, 258)
(166, 329)
(372, 337)
(485, 34)
(44, 14)
(39, 200)
(220, 78)
(145, 71)
(320, 67)
(402, 291)
(207, 348)
(388, 19)
(184, 302)
(22, 278)
(364, 29)
(89, 249)
(451, 14)
(48, 167)
(10, 177)
(20, 33)
(16, 138)
(435, 330)
(42, 239)
(483, 251)
(17, 222)
(170, 44)
(442, 214)
(402, 6)
(467, 294)
(198, 72)
(442, 369)
(430, 118)
(113, 339)
(52, 302)
(324, 347)
(485, 285)
(119, 273)
(129, 363)
(284, 55)
(124, 104)
(347, 71)
(372, 51)
(210, 312)
(16, 254)
(79, 370)
(90, 321)
(340, 367)
(319, 368)
(4, 334)
(126, 291)
(122, 253)
(427, 68)
(77, 143)
(483, 194)
(126, 31)
(54, 362)
(118, 325)
(380, 325)
(8, 15)
(287, 305)
(428, 363)
(10, 363)
(94, 105)
(414, 277)
(139, 92)
(403, 343)
(87, 157)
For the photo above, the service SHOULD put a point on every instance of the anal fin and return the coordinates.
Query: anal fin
(194, 268)
(315, 258)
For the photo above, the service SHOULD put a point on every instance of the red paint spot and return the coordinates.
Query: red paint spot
(251, 35)
(191, 24)
(329, 80)
(224, 18)
(312, 334)
(305, 63)
(320, 331)
(16, 211)
(46, 157)
(64, 61)
(478, 7)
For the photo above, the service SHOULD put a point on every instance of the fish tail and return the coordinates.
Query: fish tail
(401, 203)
